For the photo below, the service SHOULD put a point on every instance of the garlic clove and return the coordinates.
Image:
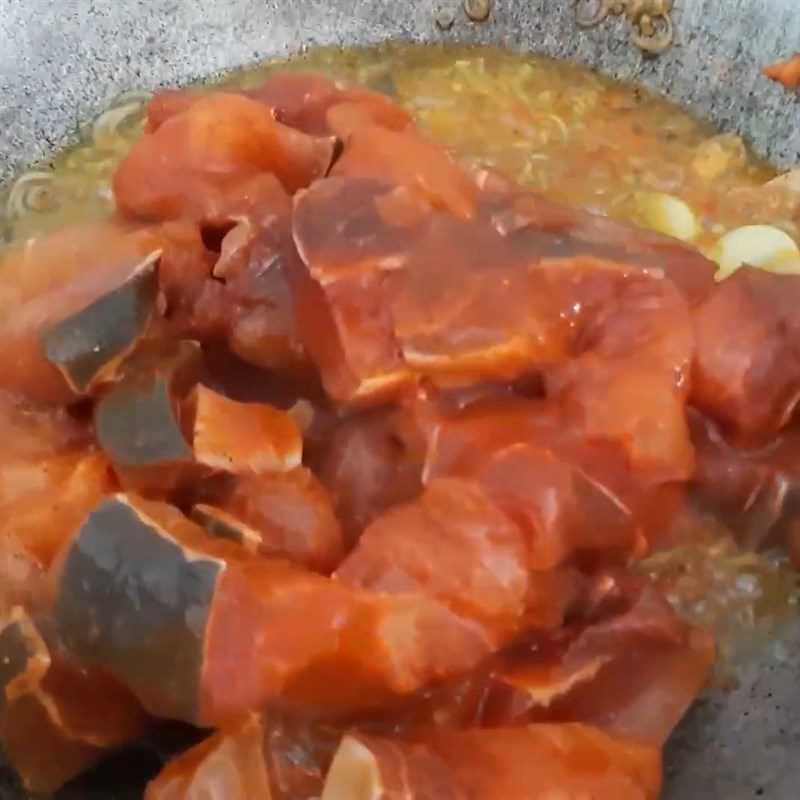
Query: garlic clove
(667, 214)
(763, 246)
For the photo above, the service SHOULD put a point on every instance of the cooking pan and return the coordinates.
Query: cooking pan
(63, 61)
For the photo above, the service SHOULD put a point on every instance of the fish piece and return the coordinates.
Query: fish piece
(268, 757)
(253, 260)
(346, 226)
(746, 372)
(194, 303)
(633, 672)
(89, 346)
(56, 719)
(44, 500)
(347, 330)
(55, 259)
(404, 157)
(192, 164)
(344, 118)
(563, 512)
(755, 492)
(305, 100)
(557, 233)
(44, 453)
(225, 280)
(153, 639)
(141, 423)
(368, 766)
(743, 393)
(453, 544)
(201, 630)
(458, 311)
(51, 476)
(47, 345)
(348, 233)
(370, 462)
(445, 305)
(629, 381)
(536, 762)
(166, 104)
(289, 515)
(299, 99)
(243, 438)
(587, 478)
(228, 764)
(450, 308)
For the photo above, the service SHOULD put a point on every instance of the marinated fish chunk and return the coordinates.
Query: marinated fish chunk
(452, 544)
(243, 438)
(746, 372)
(62, 340)
(142, 423)
(287, 515)
(146, 595)
(194, 160)
(88, 346)
(404, 157)
(537, 762)
(56, 718)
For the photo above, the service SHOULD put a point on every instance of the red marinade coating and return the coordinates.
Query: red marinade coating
(239, 295)
(404, 277)
(452, 305)
(633, 672)
(347, 330)
(536, 762)
(747, 366)
(558, 231)
(292, 516)
(453, 544)
(755, 492)
(629, 382)
(343, 227)
(458, 307)
(193, 163)
(264, 757)
(473, 436)
(355, 649)
(202, 630)
(243, 438)
(370, 462)
(563, 512)
(58, 717)
(404, 157)
(229, 764)
(49, 279)
(51, 476)
(306, 101)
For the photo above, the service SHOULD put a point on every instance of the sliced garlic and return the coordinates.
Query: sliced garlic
(789, 180)
(355, 773)
(717, 155)
(761, 246)
(667, 214)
